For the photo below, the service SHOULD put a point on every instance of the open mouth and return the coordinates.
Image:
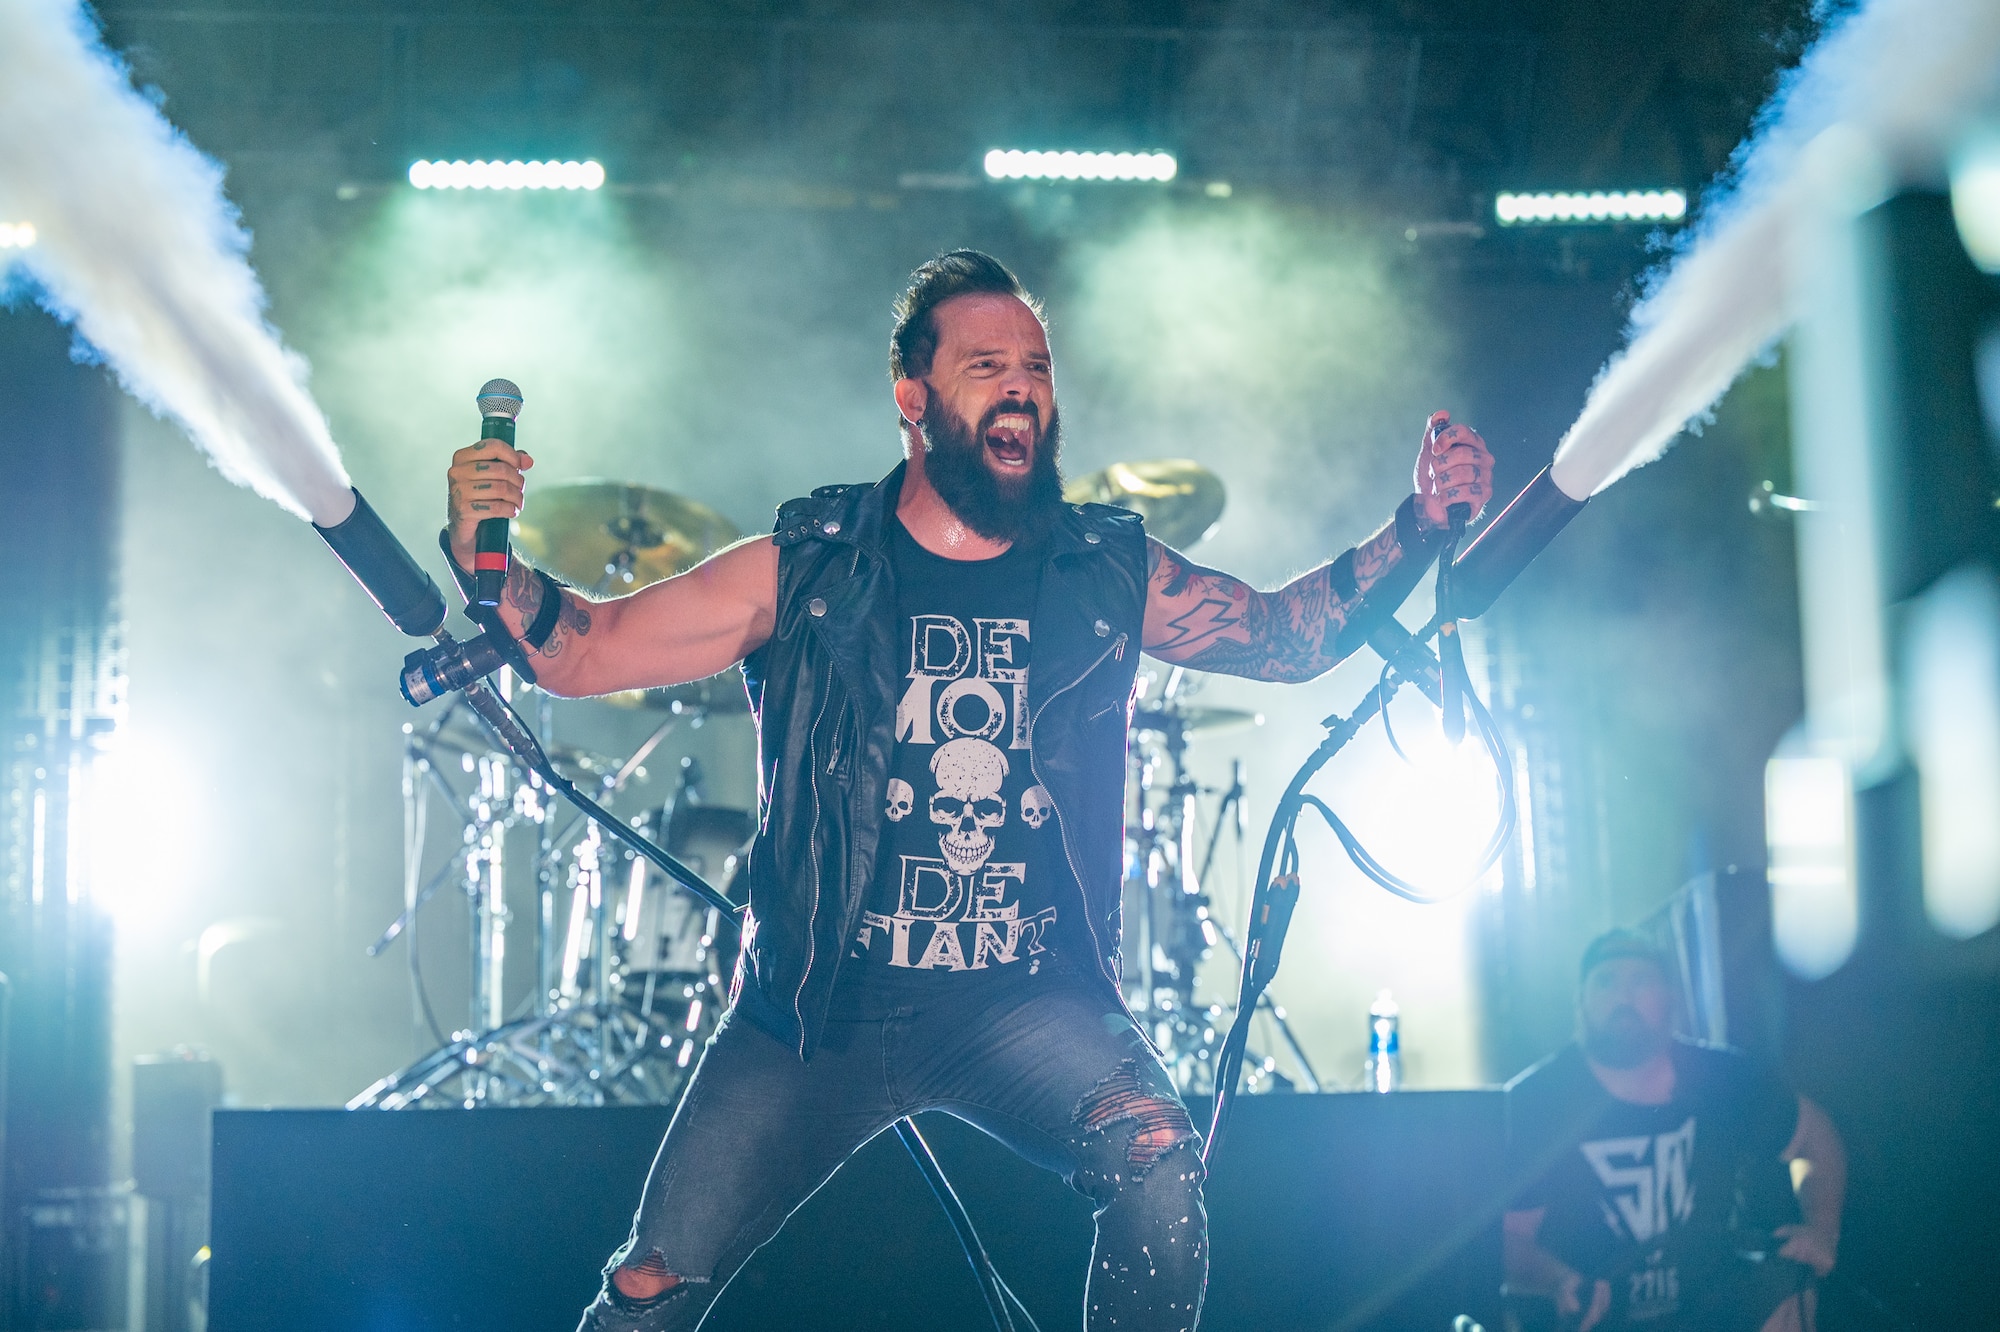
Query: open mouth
(1010, 439)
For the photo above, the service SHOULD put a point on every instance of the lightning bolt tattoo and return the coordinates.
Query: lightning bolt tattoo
(1205, 619)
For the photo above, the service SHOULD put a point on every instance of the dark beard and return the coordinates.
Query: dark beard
(955, 464)
(1624, 1044)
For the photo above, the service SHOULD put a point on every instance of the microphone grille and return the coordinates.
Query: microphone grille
(500, 397)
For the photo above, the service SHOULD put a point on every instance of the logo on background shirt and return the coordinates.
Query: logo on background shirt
(967, 701)
(1647, 1180)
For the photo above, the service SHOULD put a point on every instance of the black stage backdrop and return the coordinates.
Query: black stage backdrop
(1327, 1212)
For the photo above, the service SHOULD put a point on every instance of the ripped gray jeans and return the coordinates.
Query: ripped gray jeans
(1055, 1070)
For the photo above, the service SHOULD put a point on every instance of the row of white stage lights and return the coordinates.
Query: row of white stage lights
(463, 175)
(1016, 164)
(1513, 210)
(16, 235)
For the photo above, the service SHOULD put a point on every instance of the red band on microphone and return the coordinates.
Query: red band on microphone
(495, 560)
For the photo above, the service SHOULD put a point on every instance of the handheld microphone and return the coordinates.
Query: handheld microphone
(499, 406)
(1510, 542)
(393, 580)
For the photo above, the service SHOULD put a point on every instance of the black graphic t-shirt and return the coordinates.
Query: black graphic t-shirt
(970, 876)
(1641, 1195)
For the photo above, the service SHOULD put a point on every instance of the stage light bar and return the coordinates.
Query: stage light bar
(1519, 210)
(462, 175)
(1015, 164)
(16, 235)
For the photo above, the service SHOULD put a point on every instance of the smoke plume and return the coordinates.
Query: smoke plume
(1883, 91)
(140, 251)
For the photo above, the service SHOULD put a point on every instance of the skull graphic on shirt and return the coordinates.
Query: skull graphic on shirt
(968, 804)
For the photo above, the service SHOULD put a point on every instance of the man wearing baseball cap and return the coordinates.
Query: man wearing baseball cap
(1638, 1150)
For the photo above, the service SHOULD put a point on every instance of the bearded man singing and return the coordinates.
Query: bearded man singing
(940, 665)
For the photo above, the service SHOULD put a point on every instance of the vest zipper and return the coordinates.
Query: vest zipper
(812, 854)
(1117, 647)
(812, 765)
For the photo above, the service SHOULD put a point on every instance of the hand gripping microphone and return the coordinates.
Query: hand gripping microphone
(499, 406)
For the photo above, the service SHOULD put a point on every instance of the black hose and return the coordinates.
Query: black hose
(1277, 867)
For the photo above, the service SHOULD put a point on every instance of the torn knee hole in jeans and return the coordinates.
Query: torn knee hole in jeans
(648, 1280)
(1159, 1123)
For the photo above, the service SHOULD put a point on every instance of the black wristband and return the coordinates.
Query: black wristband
(544, 623)
(1410, 534)
(1341, 575)
(488, 618)
(1391, 589)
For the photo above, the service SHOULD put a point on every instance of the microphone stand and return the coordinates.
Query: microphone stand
(513, 735)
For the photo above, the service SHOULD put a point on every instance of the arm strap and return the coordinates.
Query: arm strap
(1393, 588)
(549, 612)
(486, 618)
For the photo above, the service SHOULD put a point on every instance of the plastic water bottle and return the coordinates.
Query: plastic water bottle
(1384, 1069)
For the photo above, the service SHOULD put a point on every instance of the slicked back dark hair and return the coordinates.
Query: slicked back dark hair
(955, 273)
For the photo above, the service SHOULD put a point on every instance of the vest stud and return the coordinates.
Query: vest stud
(817, 606)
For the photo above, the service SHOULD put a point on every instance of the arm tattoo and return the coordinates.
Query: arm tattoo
(573, 620)
(523, 592)
(523, 595)
(1219, 623)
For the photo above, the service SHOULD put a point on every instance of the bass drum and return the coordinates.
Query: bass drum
(673, 950)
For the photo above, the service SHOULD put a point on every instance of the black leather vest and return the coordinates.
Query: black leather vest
(824, 690)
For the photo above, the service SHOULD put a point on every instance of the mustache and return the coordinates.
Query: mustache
(1029, 409)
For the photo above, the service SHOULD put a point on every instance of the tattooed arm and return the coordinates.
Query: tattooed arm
(1209, 621)
(684, 628)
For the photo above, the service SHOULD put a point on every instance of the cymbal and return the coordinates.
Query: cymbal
(617, 536)
(718, 694)
(1181, 500)
(1194, 721)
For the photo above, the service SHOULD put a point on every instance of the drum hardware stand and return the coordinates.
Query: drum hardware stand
(562, 1052)
(1175, 921)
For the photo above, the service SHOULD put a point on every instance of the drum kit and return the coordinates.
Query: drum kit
(631, 973)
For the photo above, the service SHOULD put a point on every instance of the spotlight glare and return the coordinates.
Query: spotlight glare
(1511, 209)
(510, 175)
(1975, 200)
(16, 235)
(1953, 655)
(1809, 834)
(1038, 164)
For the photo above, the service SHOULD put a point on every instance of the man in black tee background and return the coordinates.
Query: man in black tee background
(1638, 1151)
(941, 668)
